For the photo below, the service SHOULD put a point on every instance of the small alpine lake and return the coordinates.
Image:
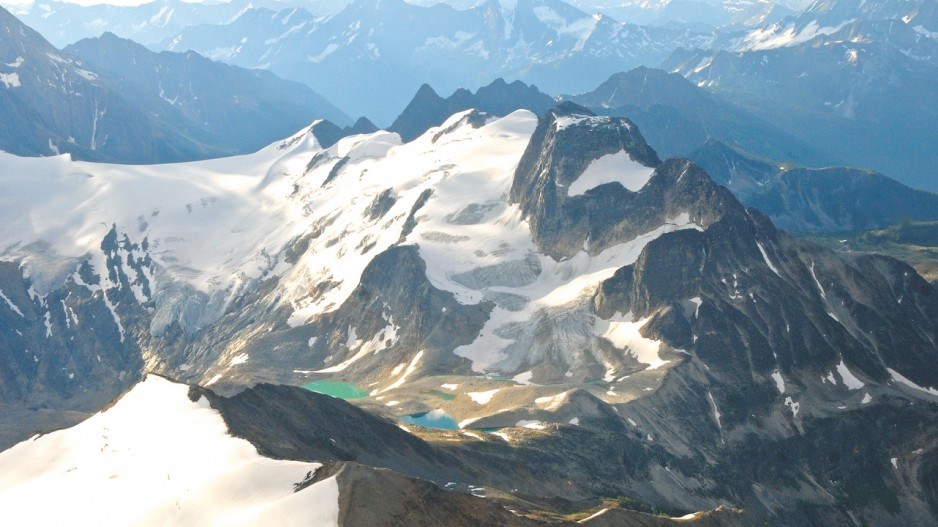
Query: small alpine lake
(337, 389)
(438, 419)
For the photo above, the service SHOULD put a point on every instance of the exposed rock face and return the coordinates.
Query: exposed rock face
(374, 497)
(65, 350)
(397, 307)
(287, 422)
(775, 329)
(427, 109)
(328, 133)
(605, 215)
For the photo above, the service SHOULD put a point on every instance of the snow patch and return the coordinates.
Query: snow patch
(777, 36)
(779, 381)
(10, 303)
(502, 435)
(567, 121)
(612, 168)
(716, 411)
(329, 50)
(697, 301)
(898, 377)
(553, 401)
(403, 378)
(818, 283)
(382, 340)
(482, 397)
(850, 380)
(239, 359)
(624, 334)
(766, 258)
(10, 80)
(595, 515)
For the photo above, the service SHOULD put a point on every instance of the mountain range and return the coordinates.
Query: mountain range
(370, 57)
(572, 310)
(109, 99)
(833, 83)
(534, 284)
(64, 23)
(849, 78)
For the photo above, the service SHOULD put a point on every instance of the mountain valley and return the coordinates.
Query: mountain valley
(587, 292)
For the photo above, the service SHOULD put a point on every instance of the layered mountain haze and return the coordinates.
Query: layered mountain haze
(373, 55)
(210, 100)
(832, 199)
(52, 104)
(109, 99)
(531, 283)
(678, 117)
(848, 77)
(64, 23)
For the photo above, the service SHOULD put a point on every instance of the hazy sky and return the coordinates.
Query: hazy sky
(83, 2)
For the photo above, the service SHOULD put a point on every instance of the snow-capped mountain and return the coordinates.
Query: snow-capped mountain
(373, 55)
(855, 89)
(699, 14)
(915, 13)
(550, 277)
(110, 99)
(64, 23)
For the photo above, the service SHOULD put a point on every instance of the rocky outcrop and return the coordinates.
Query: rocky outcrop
(69, 332)
(427, 109)
(328, 133)
(396, 307)
(565, 143)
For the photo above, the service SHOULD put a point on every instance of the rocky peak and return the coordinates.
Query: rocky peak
(592, 181)
(328, 133)
(427, 109)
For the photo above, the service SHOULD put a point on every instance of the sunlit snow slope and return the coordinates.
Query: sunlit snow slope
(157, 458)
